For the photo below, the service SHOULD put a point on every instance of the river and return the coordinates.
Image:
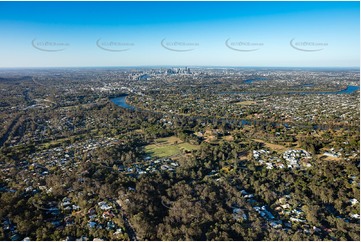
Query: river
(121, 101)
(347, 90)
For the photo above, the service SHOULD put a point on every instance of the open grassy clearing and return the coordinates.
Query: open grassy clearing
(328, 158)
(228, 138)
(245, 103)
(170, 146)
(277, 148)
(169, 140)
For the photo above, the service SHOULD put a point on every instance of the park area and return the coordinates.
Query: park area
(168, 147)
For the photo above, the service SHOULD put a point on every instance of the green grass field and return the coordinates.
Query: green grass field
(170, 146)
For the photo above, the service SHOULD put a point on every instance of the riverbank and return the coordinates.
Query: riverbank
(121, 102)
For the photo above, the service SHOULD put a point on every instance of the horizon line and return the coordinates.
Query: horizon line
(172, 66)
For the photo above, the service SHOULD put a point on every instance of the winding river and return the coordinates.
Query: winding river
(347, 90)
(121, 101)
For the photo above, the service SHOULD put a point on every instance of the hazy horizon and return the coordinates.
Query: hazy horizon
(189, 66)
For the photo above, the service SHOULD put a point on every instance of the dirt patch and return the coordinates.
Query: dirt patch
(246, 103)
(277, 148)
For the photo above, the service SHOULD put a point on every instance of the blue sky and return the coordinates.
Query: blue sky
(52, 34)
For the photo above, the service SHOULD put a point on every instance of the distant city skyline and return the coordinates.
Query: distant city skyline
(229, 34)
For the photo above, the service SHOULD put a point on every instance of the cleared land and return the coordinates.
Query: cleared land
(167, 147)
(277, 148)
(246, 103)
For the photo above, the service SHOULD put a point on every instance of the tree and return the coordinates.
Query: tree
(311, 212)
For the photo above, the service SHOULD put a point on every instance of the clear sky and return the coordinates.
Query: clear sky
(62, 34)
